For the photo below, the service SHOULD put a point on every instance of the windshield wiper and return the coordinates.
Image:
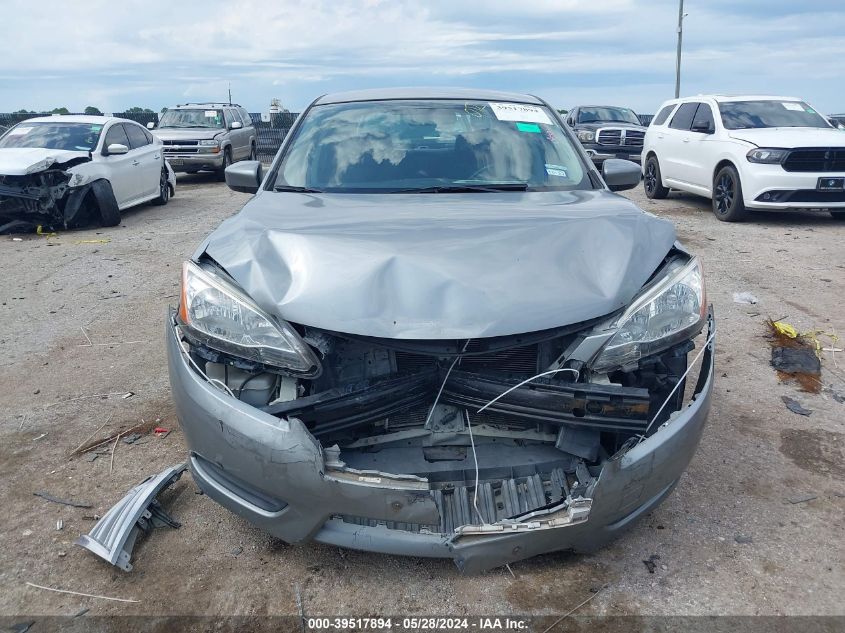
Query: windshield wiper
(467, 188)
(295, 189)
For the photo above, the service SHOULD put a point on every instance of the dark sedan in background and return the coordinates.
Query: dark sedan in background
(607, 132)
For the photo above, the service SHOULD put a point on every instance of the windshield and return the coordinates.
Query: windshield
(603, 114)
(48, 135)
(192, 118)
(431, 146)
(741, 115)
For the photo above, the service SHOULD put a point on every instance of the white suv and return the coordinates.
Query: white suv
(746, 152)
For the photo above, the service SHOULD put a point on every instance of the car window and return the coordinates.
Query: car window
(703, 118)
(116, 135)
(245, 117)
(740, 115)
(136, 135)
(390, 146)
(664, 113)
(231, 117)
(683, 117)
(605, 114)
(193, 117)
(49, 135)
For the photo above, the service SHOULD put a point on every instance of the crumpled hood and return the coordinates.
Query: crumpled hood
(186, 134)
(20, 161)
(440, 266)
(791, 137)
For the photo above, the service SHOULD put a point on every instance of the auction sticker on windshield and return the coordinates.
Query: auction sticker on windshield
(519, 112)
(19, 131)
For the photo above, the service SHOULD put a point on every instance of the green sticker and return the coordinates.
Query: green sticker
(528, 127)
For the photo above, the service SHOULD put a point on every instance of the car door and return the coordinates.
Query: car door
(702, 148)
(673, 143)
(118, 167)
(235, 136)
(146, 161)
(249, 130)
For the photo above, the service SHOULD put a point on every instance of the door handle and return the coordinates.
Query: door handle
(686, 140)
(135, 162)
(659, 136)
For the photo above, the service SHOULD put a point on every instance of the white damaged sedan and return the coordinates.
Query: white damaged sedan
(63, 171)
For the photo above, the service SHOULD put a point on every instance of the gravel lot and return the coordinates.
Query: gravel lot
(728, 540)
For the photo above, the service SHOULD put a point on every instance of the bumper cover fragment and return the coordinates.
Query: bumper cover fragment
(113, 537)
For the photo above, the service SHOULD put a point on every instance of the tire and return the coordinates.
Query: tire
(253, 153)
(106, 203)
(163, 190)
(227, 160)
(838, 215)
(728, 204)
(652, 183)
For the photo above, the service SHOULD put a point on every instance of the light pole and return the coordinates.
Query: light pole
(681, 16)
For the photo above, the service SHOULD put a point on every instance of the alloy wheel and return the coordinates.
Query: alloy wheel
(725, 190)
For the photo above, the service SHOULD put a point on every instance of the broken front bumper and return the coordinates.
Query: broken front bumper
(271, 471)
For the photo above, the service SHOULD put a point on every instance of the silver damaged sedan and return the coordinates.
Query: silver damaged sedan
(435, 330)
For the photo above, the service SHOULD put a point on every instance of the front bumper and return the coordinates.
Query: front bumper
(193, 162)
(795, 190)
(271, 471)
(600, 153)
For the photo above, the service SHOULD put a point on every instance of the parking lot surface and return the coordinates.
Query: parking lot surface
(83, 325)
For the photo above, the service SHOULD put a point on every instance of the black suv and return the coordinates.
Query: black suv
(608, 132)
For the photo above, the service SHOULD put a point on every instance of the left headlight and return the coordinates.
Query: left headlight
(586, 136)
(670, 311)
(221, 316)
(766, 155)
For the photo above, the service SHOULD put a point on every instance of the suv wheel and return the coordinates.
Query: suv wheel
(227, 160)
(728, 205)
(253, 154)
(654, 189)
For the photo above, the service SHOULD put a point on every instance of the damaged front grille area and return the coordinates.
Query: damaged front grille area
(40, 195)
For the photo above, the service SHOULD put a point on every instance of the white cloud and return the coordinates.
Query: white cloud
(165, 51)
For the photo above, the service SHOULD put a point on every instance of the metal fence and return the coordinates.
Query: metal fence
(270, 133)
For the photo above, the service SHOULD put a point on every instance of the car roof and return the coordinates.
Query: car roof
(76, 118)
(602, 106)
(383, 94)
(719, 98)
(201, 105)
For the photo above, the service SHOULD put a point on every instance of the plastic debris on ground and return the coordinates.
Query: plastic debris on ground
(795, 406)
(745, 297)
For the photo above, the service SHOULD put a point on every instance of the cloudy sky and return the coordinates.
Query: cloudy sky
(115, 54)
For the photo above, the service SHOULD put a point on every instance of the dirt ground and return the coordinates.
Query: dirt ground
(83, 323)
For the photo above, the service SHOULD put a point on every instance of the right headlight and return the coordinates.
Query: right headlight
(767, 155)
(221, 316)
(670, 311)
(210, 142)
(586, 136)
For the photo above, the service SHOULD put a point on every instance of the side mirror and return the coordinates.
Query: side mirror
(151, 126)
(620, 174)
(244, 176)
(115, 149)
(236, 125)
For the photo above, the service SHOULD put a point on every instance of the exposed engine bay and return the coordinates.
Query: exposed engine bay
(49, 198)
(411, 408)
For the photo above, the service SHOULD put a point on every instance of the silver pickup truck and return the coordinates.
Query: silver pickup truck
(206, 136)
